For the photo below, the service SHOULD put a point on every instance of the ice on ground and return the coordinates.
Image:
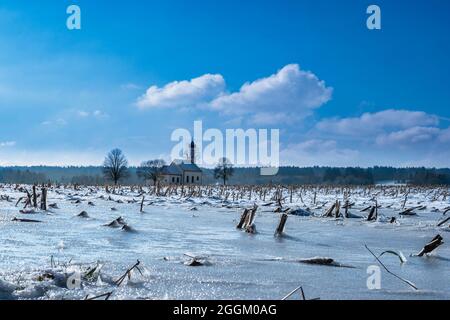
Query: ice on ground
(66, 257)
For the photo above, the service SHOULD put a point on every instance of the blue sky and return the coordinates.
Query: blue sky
(340, 93)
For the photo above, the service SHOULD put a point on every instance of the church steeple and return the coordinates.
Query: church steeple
(192, 152)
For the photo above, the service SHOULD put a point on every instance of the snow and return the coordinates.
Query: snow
(38, 259)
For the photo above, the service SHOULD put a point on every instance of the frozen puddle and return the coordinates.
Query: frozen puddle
(43, 260)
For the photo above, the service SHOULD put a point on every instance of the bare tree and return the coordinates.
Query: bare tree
(151, 170)
(115, 166)
(224, 170)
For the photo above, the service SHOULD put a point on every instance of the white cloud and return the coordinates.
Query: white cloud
(284, 97)
(377, 123)
(271, 118)
(409, 136)
(180, 94)
(99, 114)
(130, 86)
(315, 145)
(94, 114)
(7, 144)
(445, 135)
(58, 122)
(388, 130)
(68, 115)
(51, 157)
(373, 139)
(319, 152)
(83, 114)
(289, 94)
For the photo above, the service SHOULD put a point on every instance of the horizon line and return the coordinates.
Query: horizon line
(236, 167)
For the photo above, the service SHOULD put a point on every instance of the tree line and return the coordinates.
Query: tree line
(115, 169)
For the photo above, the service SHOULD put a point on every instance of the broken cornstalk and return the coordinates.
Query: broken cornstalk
(128, 273)
(431, 246)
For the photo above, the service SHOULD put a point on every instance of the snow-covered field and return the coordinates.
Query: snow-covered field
(38, 259)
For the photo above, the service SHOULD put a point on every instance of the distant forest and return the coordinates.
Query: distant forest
(286, 175)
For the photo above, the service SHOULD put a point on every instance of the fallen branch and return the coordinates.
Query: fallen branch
(409, 212)
(26, 220)
(267, 204)
(323, 262)
(390, 272)
(444, 221)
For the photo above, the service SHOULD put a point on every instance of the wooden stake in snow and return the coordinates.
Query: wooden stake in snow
(376, 209)
(329, 212)
(404, 201)
(34, 197)
(248, 224)
(142, 204)
(28, 202)
(44, 199)
(300, 195)
(373, 214)
(280, 228)
(347, 204)
(243, 218)
(337, 209)
(246, 221)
